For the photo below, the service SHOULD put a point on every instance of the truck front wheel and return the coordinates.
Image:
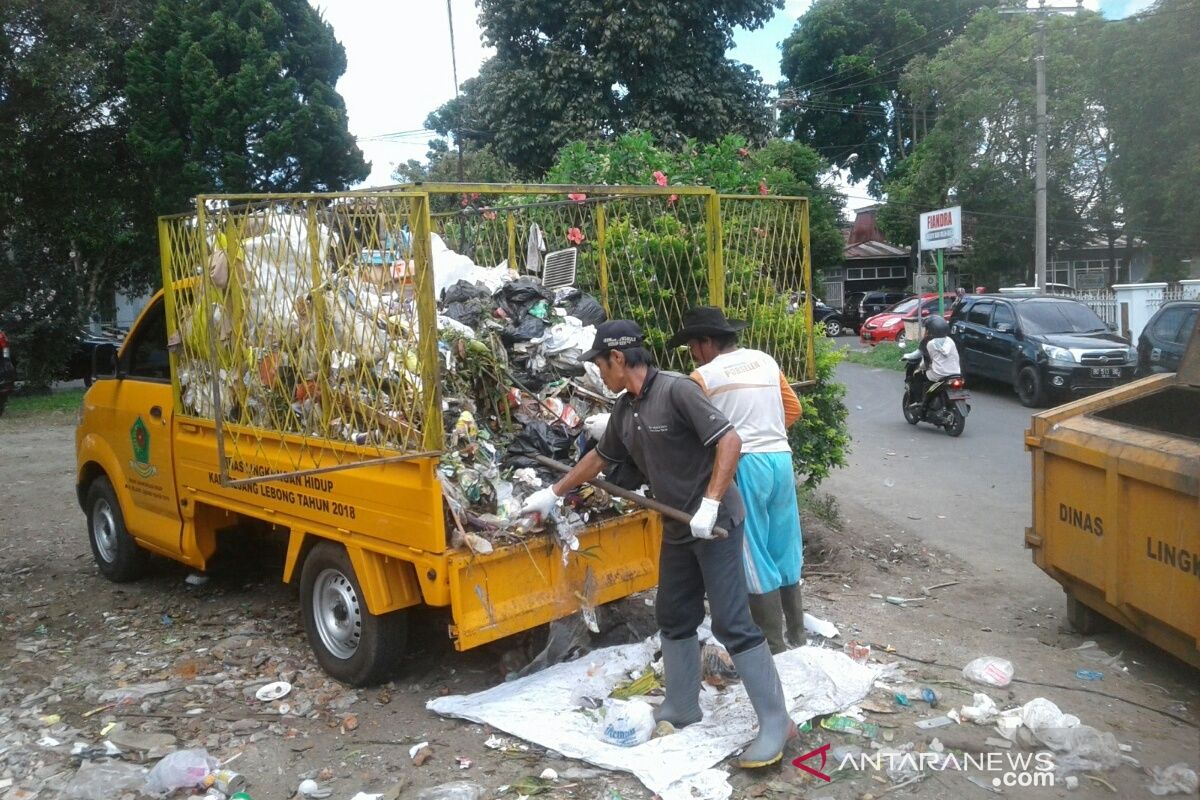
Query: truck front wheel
(118, 557)
(351, 644)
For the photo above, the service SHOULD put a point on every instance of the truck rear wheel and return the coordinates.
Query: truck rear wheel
(351, 644)
(1083, 619)
(116, 554)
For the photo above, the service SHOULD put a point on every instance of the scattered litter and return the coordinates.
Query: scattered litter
(1089, 675)
(311, 789)
(463, 762)
(1072, 782)
(1003, 744)
(989, 670)
(983, 712)
(1175, 779)
(454, 790)
(902, 699)
(196, 579)
(627, 723)
(139, 741)
(548, 774)
(420, 753)
(647, 682)
(935, 722)
(844, 724)
(929, 696)
(857, 651)
(273, 691)
(103, 780)
(49, 741)
(716, 666)
(183, 769)
(987, 787)
(820, 627)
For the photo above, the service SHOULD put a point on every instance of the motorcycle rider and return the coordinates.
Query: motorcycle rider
(939, 360)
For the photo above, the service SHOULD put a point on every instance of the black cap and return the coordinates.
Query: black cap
(704, 321)
(616, 334)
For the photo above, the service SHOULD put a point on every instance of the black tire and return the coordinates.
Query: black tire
(910, 416)
(1084, 620)
(350, 643)
(116, 554)
(832, 326)
(957, 423)
(1030, 389)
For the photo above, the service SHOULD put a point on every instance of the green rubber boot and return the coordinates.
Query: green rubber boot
(775, 727)
(792, 600)
(767, 612)
(681, 673)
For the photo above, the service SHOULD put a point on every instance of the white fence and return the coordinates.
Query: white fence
(1103, 302)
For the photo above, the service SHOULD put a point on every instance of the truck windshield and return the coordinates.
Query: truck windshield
(1069, 317)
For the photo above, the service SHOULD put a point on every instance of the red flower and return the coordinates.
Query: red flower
(489, 214)
(743, 152)
(762, 187)
(577, 197)
(575, 236)
(660, 178)
(671, 200)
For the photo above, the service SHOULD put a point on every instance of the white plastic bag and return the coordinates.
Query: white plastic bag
(990, 671)
(182, 769)
(982, 712)
(1175, 779)
(627, 723)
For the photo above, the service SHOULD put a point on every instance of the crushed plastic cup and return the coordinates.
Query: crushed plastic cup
(990, 671)
(273, 691)
(183, 769)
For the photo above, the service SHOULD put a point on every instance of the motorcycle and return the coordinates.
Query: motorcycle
(8, 372)
(945, 403)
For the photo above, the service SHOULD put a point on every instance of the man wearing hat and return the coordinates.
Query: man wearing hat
(665, 425)
(750, 390)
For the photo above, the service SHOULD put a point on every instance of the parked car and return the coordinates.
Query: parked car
(1045, 347)
(1166, 335)
(852, 318)
(889, 326)
(826, 318)
(879, 301)
(80, 365)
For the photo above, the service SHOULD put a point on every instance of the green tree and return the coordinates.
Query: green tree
(71, 193)
(842, 68)
(1153, 103)
(238, 96)
(982, 145)
(597, 68)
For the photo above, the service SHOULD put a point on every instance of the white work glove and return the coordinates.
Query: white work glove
(541, 502)
(595, 425)
(705, 518)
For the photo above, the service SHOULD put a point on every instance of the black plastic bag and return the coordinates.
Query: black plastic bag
(529, 328)
(517, 297)
(462, 291)
(584, 307)
(469, 312)
(538, 438)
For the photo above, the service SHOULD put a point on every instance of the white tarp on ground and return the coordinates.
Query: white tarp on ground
(542, 709)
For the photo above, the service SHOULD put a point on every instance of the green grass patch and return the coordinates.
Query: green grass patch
(886, 355)
(55, 402)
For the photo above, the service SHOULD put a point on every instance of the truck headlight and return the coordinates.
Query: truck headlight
(1058, 353)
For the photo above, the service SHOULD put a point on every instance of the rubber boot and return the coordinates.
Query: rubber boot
(681, 672)
(793, 613)
(775, 727)
(768, 616)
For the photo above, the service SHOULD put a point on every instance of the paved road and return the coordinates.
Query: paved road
(980, 482)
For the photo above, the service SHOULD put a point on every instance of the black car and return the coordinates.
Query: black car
(826, 318)
(852, 317)
(1043, 346)
(1163, 340)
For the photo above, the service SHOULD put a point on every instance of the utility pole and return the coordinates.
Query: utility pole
(454, 68)
(1039, 155)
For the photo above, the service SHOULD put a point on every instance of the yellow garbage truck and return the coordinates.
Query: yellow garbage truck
(290, 379)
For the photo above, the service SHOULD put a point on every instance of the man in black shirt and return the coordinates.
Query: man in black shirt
(689, 451)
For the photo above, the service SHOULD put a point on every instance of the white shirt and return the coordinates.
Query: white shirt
(943, 358)
(744, 385)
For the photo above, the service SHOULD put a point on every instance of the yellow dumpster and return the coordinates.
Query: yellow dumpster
(1116, 506)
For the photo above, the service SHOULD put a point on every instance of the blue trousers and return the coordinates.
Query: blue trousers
(772, 546)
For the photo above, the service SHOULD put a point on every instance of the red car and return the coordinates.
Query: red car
(889, 326)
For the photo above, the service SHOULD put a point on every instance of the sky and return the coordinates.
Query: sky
(399, 67)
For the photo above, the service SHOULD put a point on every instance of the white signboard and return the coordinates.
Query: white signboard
(941, 228)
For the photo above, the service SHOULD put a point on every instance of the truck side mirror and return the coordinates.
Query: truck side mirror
(1003, 327)
(104, 361)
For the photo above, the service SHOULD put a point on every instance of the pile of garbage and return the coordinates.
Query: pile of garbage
(337, 358)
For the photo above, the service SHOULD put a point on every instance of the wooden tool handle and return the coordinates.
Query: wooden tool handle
(633, 497)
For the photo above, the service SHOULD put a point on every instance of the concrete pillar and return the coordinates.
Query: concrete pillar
(1136, 303)
(1191, 289)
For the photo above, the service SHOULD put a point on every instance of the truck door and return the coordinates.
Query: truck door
(142, 409)
(1000, 342)
(971, 331)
